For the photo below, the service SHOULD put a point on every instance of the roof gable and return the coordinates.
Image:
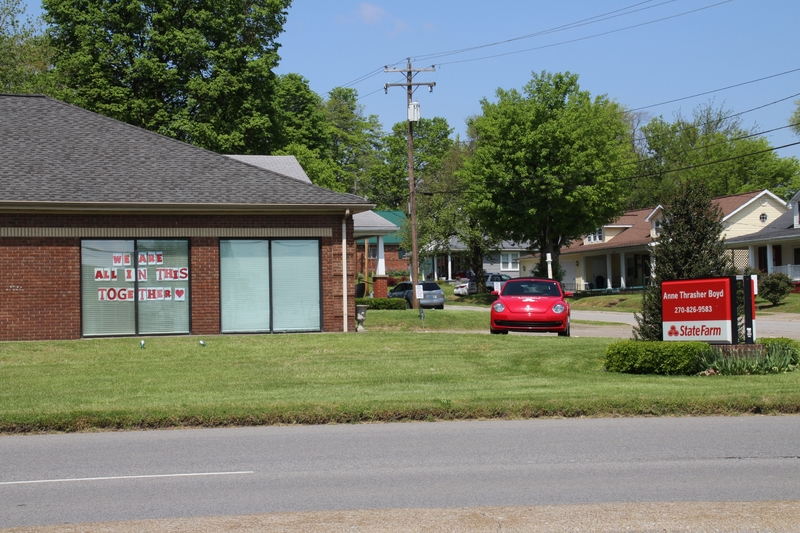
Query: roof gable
(55, 156)
(288, 165)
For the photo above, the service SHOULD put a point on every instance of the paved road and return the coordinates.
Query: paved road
(78, 478)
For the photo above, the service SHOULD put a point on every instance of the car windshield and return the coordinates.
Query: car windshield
(531, 288)
(429, 286)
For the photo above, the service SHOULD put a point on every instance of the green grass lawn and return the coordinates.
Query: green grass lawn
(379, 375)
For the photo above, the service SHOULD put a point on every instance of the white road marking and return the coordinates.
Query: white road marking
(191, 474)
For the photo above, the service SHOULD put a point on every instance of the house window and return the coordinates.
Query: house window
(270, 285)
(797, 256)
(134, 287)
(597, 236)
(763, 218)
(657, 227)
(401, 254)
(509, 261)
(373, 251)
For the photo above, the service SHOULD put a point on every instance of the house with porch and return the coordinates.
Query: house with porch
(776, 246)
(618, 255)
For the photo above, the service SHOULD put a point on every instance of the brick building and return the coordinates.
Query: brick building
(107, 229)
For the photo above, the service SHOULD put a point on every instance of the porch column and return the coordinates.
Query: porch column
(380, 269)
(435, 268)
(752, 260)
(449, 266)
(583, 271)
(769, 259)
(622, 272)
(608, 271)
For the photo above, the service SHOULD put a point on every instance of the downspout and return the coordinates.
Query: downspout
(344, 270)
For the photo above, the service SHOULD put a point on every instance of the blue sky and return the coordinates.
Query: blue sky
(643, 53)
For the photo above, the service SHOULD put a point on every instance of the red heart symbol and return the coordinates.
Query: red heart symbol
(179, 293)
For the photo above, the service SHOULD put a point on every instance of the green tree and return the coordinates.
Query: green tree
(432, 143)
(711, 147)
(199, 71)
(445, 215)
(354, 140)
(321, 171)
(795, 119)
(690, 246)
(775, 287)
(25, 52)
(549, 162)
(300, 115)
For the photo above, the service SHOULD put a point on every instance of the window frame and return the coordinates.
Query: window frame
(134, 265)
(271, 288)
(513, 259)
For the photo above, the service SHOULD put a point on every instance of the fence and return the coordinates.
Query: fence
(793, 271)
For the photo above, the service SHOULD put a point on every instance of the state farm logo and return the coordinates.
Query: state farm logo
(694, 331)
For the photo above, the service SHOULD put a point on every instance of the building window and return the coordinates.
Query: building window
(657, 224)
(763, 217)
(134, 287)
(509, 261)
(373, 251)
(270, 286)
(597, 236)
(402, 254)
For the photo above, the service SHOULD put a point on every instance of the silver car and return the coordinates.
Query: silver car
(433, 295)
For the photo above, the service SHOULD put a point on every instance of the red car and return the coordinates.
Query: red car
(531, 304)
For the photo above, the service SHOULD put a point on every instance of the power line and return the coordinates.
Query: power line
(591, 20)
(587, 37)
(720, 89)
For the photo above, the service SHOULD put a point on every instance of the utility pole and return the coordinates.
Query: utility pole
(412, 117)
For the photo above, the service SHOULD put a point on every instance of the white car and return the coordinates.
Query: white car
(470, 287)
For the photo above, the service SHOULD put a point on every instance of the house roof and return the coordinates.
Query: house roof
(779, 229)
(394, 217)
(638, 234)
(370, 223)
(288, 165)
(55, 157)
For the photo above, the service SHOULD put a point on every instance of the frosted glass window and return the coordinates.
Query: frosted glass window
(162, 269)
(244, 285)
(296, 285)
(108, 305)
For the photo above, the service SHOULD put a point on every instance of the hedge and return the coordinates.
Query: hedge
(656, 357)
(382, 303)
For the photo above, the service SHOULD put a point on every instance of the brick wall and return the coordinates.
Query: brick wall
(40, 277)
(40, 281)
(391, 257)
(204, 278)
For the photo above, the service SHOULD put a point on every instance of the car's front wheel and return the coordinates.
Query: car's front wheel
(408, 304)
(564, 333)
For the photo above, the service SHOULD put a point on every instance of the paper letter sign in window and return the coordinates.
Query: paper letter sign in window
(135, 299)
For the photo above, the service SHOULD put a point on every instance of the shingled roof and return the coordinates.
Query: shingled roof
(58, 157)
(637, 223)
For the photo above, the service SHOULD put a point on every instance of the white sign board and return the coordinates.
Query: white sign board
(420, 293)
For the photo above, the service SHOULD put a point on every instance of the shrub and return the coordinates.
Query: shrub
(774, 356)
(382, 303)
(792, 345)
(774, 287)
(655, 357)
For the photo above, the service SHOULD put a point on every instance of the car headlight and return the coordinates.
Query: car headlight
(499, 307)
(559, 308)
